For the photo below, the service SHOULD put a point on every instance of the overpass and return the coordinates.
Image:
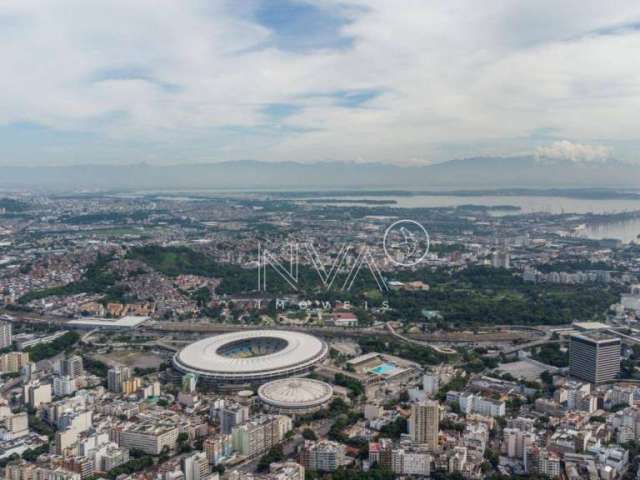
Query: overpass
(442, 350)
(526, 346)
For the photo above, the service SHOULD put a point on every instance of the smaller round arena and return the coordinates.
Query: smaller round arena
(295, 396)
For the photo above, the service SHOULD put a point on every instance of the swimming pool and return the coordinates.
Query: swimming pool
(384, 369)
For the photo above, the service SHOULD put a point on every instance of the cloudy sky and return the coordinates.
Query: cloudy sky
(402, 81)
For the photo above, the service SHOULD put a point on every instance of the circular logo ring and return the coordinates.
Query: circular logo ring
(391, 257)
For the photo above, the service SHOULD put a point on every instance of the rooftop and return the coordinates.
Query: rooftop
(596, 337)
(124, 322)
(251, 352)
(591, 326)
(295, 392)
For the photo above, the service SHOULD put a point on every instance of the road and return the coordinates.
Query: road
(204, 327)
(445, 350)
(537, 343)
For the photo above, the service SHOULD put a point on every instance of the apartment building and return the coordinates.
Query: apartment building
(30, 471)
(425, 423)
(323, 456)
(260, 434)
(5, 334)
(150, 437)
(195, 466)
(13, 362)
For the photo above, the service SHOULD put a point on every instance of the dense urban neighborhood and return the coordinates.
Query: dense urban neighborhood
(177, 337)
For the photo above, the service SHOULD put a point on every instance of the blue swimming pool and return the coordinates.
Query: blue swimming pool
(383, 369)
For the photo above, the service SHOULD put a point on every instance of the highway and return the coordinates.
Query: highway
(537, 343)
(202, 327)
(445, 350)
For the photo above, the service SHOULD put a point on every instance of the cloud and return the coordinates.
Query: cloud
(574, 152)
(191, 80)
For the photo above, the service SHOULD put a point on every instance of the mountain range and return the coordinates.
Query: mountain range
(480, 172)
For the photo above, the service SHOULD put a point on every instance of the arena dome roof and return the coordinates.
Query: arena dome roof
(253, 356)
(295, 393)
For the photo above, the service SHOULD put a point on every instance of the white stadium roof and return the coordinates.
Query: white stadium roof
(295, 393)
(287, 353)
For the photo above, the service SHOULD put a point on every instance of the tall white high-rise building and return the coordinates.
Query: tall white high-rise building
(63, 386)
(5, 334)
(72, 366)
(115, 377)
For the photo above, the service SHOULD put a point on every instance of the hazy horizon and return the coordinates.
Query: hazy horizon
(476, 173)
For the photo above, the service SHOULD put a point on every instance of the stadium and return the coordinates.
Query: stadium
(295, 396)
(241, 360)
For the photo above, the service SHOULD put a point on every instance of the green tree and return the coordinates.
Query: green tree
(275, 454)
(309, 434)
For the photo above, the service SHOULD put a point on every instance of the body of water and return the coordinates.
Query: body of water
(527, 204)
(627, 231)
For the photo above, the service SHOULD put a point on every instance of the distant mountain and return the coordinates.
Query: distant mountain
(482, 172)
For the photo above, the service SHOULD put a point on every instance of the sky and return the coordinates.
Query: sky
(402, 81)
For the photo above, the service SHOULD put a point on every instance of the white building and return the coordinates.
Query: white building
(501, 259)
(17, 425)
(5, 334)
(323, 456)
(72, 366)
(470, 403)
(63, 386)
(260, 434)
(489, 407)
(515, 442)
(37, 394)
(65, 439)
(23, 470)
(542, 461)
(109, 456)
(150, 437)
(430, 383)
(195, 466)
(618, 395)
(77, 420)
(407, 462)
(631, 301)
